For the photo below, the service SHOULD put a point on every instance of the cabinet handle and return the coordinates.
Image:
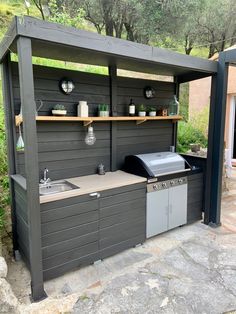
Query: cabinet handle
(95, 194)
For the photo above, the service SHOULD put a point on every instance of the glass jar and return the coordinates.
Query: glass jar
(174, 107)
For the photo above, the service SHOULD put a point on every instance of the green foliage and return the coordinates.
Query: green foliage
(141, 108)
(195, 131)
(4, 184)
(103, 107)
(151, 109)
(59, 107)
(200, 120)
(184, 100)
(60, 15)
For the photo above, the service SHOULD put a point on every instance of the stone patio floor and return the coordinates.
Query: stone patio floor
(187, 270)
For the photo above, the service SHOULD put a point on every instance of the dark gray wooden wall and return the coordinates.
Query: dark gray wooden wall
(22, 227)
(80, 230)
(61, 144)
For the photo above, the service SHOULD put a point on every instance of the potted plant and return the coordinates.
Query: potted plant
(152, 111)
(142, 111)
(59, 110)
(103, 110)
(195, 148)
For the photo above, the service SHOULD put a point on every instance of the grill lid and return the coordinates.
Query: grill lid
(164, 162)
(155, 164)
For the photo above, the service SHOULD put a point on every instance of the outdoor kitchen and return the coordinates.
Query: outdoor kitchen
(87, 185)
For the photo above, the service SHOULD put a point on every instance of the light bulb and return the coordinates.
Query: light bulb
(90, 138)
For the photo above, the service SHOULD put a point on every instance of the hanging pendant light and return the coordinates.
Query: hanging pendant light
(90, 138)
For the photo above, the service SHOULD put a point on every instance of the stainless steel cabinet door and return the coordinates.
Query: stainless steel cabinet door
(177, 206)
(157, 212)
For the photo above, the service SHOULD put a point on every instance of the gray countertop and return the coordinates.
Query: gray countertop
(94, 183)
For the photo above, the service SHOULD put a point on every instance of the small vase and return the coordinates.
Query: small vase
(103, 113)
(152, 113)
(142, 113)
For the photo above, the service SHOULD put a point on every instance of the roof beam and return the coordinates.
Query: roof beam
(107, 46)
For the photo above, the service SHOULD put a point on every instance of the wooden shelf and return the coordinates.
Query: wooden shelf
(89, 120)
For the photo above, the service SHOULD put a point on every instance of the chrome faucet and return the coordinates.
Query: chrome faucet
(45, 180)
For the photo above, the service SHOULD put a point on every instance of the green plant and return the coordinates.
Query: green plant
(4, 183)
(141, 108)
(151, 109)
(59, 107)
(188, 134)
(103, 107)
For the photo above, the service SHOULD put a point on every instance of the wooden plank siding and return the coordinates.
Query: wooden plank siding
(61, 145)
(22, 228)
(195, 197)
(81, 230)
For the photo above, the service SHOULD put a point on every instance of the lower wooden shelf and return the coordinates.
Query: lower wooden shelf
(89, 120)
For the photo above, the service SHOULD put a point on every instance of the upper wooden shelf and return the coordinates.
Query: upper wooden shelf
(89, 120)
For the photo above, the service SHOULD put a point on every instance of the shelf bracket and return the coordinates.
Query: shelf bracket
(87, 123)
(140, 121)
(18, 120)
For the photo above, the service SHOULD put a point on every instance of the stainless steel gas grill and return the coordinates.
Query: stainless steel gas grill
(166, 189)
(156, 164)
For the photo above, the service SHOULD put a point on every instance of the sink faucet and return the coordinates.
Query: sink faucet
(45, 180)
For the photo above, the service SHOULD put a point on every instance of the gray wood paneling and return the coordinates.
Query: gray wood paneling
(195, 197)
(22, 229)
(61, 145)
(80, 230)
(149, 137)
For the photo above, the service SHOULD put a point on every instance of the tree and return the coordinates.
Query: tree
(40, 6)
(217, 24)
(60, 13)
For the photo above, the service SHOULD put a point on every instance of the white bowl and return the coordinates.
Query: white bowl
(59, 112)
(152, 113)
(142, 113)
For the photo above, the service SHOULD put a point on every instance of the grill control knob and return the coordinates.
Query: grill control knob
(164, 185)
(180, 180)
(172, 182)
(155, 187)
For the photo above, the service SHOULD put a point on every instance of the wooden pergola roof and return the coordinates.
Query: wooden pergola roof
(54, 41)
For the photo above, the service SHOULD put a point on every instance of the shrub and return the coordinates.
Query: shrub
(4, 185)
(188, 134)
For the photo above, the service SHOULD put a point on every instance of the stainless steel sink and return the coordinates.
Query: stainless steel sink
(56, 187)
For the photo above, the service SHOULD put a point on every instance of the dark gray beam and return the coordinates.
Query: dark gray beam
(31, 165)
(113, 104)
(215, 157)
(192, 76)
(11, 141)
(175, 123)
(230, 56)
(109, 46)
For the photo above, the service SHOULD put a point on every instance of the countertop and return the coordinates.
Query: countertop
(94, 183)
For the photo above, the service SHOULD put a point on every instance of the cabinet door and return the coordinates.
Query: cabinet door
(157, 212)
(177, 206)
(122, 217)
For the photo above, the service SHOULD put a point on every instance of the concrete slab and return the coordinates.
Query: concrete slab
(191, 269)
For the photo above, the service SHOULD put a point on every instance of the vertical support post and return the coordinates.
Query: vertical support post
(175, 124)
(215, 155)
(31, 165)
(11, 139)
(113, 101)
